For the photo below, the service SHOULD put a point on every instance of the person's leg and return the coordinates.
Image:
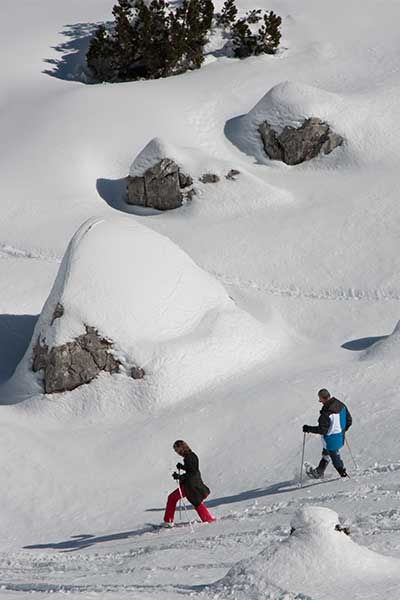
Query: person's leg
(172, 501)
(337, 462)
(323, 463)
(204, 514)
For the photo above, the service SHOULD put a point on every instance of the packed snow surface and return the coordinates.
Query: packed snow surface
(316, 560)
(308, 254)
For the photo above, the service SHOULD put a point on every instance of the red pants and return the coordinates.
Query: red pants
(171, 506)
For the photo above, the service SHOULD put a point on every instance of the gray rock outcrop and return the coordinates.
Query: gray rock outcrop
(161, 187)
(296, 145)
(209, 178)
(70, 365)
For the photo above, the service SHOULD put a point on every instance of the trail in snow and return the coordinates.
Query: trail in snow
(291, 290)
(175, 563)
(8, 251)
(294, 291)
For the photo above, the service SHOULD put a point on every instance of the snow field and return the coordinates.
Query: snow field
(310, 252)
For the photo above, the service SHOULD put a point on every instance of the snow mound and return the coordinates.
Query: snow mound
(316, 561)
(192, 161)
(152, 153)
(386, 348)
(160, 311)
(286, 104)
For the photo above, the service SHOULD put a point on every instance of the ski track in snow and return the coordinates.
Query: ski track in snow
(141, 565)
(293, 291)
(274, 289)
(7, 251)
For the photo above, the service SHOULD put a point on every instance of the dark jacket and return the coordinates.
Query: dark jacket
(333, 429)
(195, 488)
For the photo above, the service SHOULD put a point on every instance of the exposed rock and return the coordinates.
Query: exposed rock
(184, 179)
(70, 365)
(232, 175)
(160, 186)
(137, 372)
(209, 178)
(296, 145)
(58, 312)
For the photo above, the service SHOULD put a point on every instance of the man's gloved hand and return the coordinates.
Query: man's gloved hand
(306, 429)
(175, 475)
(180, 466)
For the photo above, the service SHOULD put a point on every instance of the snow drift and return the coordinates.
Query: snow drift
(286, 104)
(193, 161)
(317, 561)
(386, 348)
(154, 310)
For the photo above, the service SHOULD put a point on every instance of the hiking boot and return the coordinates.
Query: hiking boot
(314, 473)
(342, 472)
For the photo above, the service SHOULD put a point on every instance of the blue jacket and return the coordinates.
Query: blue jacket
(334, 420)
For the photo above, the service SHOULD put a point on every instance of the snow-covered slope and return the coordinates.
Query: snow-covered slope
(310, 252)
(160, 311)
(316, 560)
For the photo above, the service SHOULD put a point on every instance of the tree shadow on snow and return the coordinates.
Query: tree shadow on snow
(71, 65)
(362, 343)
(15, 334)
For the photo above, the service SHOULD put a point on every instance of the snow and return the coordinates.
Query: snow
(160, 311)
(309, 255)
(385, 348)
(286, 104)
(155, 151)
(315, 560)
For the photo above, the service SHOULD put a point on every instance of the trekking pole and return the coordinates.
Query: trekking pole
(184, 505)
(302, 461)
(180, 501)
(351, 454)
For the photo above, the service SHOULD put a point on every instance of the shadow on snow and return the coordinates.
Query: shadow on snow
(71, 64)
(15, 334)
(362, 343)
(82, 541)
(113, 192)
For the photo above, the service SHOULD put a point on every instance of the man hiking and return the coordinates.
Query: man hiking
(334, 420)
(190, 486)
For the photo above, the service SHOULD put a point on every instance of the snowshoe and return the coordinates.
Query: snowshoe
(343, 473)
(314, 473)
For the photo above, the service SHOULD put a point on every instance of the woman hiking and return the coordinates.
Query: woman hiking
(190, 486)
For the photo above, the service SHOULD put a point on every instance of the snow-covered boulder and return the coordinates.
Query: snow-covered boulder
(293, 123)
(316, 561)
(131, 313)
(156, 180)
(295, 145)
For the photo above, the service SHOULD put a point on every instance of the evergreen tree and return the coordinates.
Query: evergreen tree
(263, 41)
(100, 57)
(199, 16)
(154, 40)
(243, 40)
(124, 38)
(269, 34)
(228, 14)
(253, 16)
